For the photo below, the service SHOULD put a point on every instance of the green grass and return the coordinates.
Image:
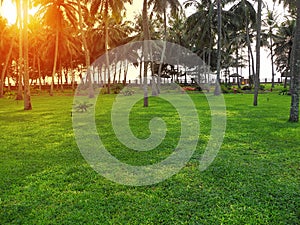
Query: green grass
(254, 179)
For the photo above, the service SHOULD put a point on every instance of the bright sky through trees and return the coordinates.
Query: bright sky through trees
(8, 11)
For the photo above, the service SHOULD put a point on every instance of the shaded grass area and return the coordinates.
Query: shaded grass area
(254, 179)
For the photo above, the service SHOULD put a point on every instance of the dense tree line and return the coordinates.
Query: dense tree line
(66, 36)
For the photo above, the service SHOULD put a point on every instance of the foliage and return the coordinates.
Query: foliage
(82, 106)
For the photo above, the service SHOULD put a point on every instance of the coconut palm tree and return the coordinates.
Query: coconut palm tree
(85, 48)
(104, 7)
(145, 53)
(271, 24)
(294, 109)
(27, 96)
(283, 44)
(219, 43)
(160, 7)
(258, 45)
(7, 37)
(57, 15)
(294, 6)
(245, 21)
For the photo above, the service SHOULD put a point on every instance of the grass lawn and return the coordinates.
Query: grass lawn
(255, 179)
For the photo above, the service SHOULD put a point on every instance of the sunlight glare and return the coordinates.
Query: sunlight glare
(8, 11)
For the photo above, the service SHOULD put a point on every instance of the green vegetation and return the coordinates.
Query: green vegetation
(254, 179)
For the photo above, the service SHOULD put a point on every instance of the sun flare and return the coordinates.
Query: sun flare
(8, 11)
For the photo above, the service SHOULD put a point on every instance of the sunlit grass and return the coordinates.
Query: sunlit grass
(254, 179)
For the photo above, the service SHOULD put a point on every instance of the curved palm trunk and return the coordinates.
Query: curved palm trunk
(86, 52)
(218, 89)
(258, 39)
(294, 109)
(163, 52)
(2, 81)
(27, 97)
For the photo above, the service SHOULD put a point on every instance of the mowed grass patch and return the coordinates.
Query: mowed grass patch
(253, 180)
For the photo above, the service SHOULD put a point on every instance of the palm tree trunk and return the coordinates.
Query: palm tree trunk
(20, 61)
(258, 40)
(2, 81)
(86, 52)
(163, 51)
(120, 71)
(294, 109)
(61, 75)
(106, 45)
(250, 52)
(145, 50)
(27, 97)
(54, 62)
(125, 72)
(272, 61)
(217, 88)
(39, 71)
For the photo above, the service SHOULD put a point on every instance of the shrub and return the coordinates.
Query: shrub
(246, 88)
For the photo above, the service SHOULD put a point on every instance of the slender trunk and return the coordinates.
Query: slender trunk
(258, 39)
(145, 50)
(106, 45)
(141, 71)
(125, 72)
(250, 52)
(54, 61)
(249, 66)
(294, 109)
(8, 82)
(39, 71)
(120, 71)
(27, 97)
(61, 76)
(217, 88)
(2, 81)
(163, 51)
(272, 62)
(86, 52)
(237, 67)
(20, 61)
(115, 73)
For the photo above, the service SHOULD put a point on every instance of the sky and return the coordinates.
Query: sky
(8, 11)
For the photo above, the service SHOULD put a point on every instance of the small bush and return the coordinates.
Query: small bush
(246, 88)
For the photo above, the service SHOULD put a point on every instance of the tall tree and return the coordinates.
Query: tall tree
(27, 97)
(161, 7)
(295, 72)
(145, 49)
(219, 10)
(115, 8)
(86, 50)
(294, 7)
(7, 37)
(20, 60)
(57, 15)
(258, 45)
(271, 23)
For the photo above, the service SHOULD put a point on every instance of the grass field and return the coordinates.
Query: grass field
(255, 179)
